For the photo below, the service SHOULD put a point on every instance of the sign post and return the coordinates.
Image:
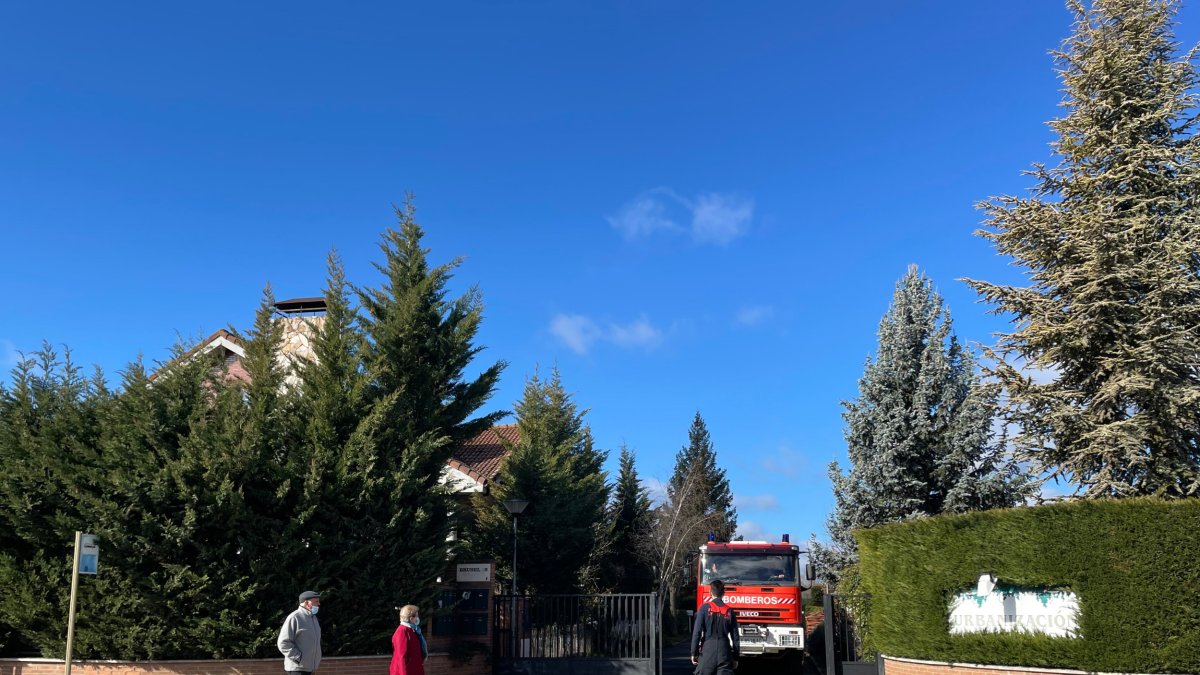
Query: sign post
(87, 556)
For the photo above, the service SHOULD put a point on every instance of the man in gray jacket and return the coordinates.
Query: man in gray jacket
(300, 637)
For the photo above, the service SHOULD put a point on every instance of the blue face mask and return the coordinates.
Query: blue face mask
(415, 621)
(314, 609)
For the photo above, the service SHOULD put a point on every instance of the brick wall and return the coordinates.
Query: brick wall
(438, 664)
(895, 666)
(811, 621)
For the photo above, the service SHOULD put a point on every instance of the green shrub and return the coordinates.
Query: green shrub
(1105, 552)
(816, 596)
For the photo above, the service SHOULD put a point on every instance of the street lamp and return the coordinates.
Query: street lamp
(515, 507)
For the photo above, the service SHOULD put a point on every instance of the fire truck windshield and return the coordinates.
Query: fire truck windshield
(750, 569)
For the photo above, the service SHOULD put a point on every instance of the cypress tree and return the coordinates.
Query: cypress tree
(1111, 242)
(48, 439)
(415, 404)
(919, 434)
(555, 466)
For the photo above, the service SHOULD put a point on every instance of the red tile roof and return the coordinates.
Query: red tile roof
(480, 457)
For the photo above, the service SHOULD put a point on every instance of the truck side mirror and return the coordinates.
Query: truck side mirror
(810, 572)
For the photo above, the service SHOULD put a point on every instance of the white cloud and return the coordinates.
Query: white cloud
(752, 531)
(9, 356)
(719, 219)
(640, 333)
(754, 316)
(576, 331)
(714, 217)
(642, 217)
(757, 502)
(581, 332)
(1055, 490)
(657, 490)
(785, 462)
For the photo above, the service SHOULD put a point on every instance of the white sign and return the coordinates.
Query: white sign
(89, 554)
(1011, 609)
(474, 572)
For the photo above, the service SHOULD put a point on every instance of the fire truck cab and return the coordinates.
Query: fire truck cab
(763, 586)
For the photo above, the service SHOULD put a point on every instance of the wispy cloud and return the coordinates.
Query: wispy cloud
(637, 334)
(756, 502)
(9, 356)
(576, 331)
(580, 333)
(755, 315)
(642, 217)
(719, 219)
(752, 531)
(656, 489)
(712, 218)
(785, 462)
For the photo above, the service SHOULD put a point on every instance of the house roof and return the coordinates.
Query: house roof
(221, 339)
(481, 457)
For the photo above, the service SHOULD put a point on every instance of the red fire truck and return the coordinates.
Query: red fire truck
(763, 586)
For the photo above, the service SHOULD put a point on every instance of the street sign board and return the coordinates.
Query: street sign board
(89, 554)
(474, 572)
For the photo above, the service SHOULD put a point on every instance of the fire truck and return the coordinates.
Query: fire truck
(763, 586)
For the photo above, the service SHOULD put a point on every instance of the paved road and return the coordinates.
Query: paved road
(676, 662)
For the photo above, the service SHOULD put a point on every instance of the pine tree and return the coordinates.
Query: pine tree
(713, 488)
(699, 502)
(628, 571)
(919, 434)
(554, 466)
(1111, 242)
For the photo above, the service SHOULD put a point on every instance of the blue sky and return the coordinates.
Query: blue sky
(682, 206)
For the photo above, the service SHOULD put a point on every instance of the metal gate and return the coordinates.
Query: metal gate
(585, 634)
(844, 617)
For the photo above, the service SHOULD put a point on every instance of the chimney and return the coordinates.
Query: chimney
(299, 317)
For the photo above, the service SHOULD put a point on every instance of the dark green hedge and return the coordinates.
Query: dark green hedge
(1132, 563)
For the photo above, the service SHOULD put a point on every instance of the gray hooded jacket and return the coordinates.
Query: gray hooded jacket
(300, 642)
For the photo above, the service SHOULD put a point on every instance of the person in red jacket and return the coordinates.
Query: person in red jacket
(408, 645)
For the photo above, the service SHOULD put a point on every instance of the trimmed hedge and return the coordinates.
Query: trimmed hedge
(1132, 563)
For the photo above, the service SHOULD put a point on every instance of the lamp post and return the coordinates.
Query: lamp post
(515, 507)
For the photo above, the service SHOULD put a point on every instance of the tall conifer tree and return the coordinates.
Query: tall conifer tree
(699, 458)
(48, 438)
(555, 466)
(629, 516)
(415, 403)
(1111, 242)
(919, 434)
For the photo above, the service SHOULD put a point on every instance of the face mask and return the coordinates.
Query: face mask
(314, 609)
(416, 621)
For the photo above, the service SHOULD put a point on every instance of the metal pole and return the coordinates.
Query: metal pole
(515, 611)
(71, 610)
(832, 665)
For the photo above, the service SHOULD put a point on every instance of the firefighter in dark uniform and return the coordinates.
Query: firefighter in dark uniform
(715, 640)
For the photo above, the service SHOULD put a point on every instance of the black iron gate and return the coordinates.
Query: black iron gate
(844, 618)
(585, 634)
